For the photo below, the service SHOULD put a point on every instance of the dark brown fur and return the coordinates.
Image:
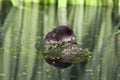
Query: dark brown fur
(60, 34)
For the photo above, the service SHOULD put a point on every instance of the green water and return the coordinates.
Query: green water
(22, 31)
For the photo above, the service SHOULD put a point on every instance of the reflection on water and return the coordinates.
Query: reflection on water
(23, 29)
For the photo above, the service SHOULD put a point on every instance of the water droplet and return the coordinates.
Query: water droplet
(53, 62)
(58, 57)
(2, 74)
(24, 73)
(26, 65)
(89, 70)
(63, 79)
(91, 73)
(47, 70)
(14, 57)
(39, 72)
(19, 74)
(48, 76)
(63, 70)
(119, 75)
(53, 58)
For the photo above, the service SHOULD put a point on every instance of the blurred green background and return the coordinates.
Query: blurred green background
(24, 24)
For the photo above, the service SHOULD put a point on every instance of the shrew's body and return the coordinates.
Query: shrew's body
(60, 34)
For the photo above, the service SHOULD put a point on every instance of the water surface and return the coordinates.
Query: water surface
(22, 31)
